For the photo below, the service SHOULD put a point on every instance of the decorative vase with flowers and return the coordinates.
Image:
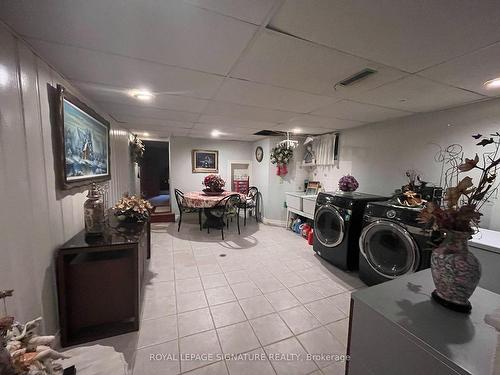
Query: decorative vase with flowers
(214, 184)
(348, 184)
(132, 209)
(455, 270)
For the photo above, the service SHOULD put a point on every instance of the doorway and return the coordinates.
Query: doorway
(239, 175)
(155, 179)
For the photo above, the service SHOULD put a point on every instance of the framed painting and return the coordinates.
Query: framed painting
(83, 145)
(205, 161)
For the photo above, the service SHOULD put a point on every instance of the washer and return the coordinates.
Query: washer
(393, 243)
(338, 219)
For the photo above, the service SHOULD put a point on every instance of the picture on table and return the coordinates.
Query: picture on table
(205, 161)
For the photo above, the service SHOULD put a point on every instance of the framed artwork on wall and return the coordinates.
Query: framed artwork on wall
(82, 142)
(205, 161)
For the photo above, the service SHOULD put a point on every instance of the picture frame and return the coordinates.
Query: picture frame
(82, 142)
(205, 161)
(313, 188)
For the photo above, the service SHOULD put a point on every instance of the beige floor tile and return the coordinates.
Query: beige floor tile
(219, 295)
(218, 368)
(342, 302)
(325, 311)
(270, 328)
(245, 289)
(306, 293)
(234, 277)
(194, 322)
(269, 284)
(290, 279)
(188, 285)
(227, 314)
(256, 306)
(191, 301)
(321, 342)
(202, 349)
(159, 289)
(157, 307)
(340, 329)
(158, 359)
(299, 319)
(282, 299)
(157, 331)
(213, 281)
(337, 368)
(254, 362)
(288, 357)
(237, 338)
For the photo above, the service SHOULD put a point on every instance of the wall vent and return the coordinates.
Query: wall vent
(356, 77)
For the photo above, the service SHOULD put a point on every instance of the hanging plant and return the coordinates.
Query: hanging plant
(136, 150)
(281, 155)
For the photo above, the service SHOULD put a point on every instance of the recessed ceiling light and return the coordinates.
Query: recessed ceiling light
(141, 94)
(146, 134)
(215, 133)
(296, 130)
(492, 83)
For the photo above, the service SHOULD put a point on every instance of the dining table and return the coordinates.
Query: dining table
(208, 203)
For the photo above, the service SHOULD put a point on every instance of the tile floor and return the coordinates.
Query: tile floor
(264, 294)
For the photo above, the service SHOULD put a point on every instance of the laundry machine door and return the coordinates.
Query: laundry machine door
(329, 226)
(389, 249)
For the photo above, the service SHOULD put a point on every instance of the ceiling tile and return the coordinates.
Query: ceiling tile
(320, 122)
(284, 61)
(116, 110)
(303, 130)
(102, 93)
(469, 71)
(417, 94)
(407, 34)
(255, 94)
(172, 32)
(246, 112)
(226, 137)
(103, 68)
(224, 129)
(227, 122)
(254, 11)
(151, 123)
(351, 110)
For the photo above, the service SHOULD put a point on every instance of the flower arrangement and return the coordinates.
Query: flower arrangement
(132, 209)
(214, 183)
(136, 150)
(460, 210)
(281, 155)
(348, 183)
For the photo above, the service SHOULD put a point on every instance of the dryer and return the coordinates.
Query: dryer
(338, 219)
(393, 243)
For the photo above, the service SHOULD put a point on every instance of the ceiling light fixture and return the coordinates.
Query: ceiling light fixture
(492, 83)
(142, 94)
(215, 133)
(296, 130)
(146, 134)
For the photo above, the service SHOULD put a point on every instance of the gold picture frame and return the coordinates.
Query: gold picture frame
(205, 161)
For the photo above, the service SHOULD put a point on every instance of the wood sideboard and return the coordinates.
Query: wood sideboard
(99, 282)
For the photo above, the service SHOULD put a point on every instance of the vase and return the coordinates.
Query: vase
(93, 212)
(455, 271)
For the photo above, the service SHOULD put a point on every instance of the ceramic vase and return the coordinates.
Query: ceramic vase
(455, 271)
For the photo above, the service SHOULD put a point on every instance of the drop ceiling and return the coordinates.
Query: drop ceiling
(240, 66)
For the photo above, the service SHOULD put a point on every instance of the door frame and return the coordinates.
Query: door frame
(230, 164)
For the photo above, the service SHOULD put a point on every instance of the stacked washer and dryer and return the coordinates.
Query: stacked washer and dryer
(371, 233)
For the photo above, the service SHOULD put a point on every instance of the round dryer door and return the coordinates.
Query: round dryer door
(389, 249)
(329, 226)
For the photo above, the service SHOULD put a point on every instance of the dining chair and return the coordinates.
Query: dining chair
(179, 197)
(251, 202)
(228, 207)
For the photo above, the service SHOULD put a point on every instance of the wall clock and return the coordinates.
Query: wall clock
(259, 153)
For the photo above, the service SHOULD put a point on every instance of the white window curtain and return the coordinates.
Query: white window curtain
(325, 149)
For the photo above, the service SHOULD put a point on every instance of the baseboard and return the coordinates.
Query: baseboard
(278, 223)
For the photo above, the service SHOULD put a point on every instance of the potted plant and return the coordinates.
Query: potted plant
(348, 184)
(455, 270)
(214, 184)
(132, 209)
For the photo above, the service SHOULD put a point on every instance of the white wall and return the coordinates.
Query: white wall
(273, 187)
(181, 175)
(379, 154)
(35, 218)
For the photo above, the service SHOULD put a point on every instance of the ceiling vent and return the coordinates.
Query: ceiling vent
(356, 77)
(269, 133)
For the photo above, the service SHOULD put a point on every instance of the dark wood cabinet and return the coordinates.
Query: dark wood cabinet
(99, 282)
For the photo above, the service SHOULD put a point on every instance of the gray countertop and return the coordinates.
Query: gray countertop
(464, 342)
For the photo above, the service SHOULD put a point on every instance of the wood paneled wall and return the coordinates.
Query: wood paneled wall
(36, 217)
